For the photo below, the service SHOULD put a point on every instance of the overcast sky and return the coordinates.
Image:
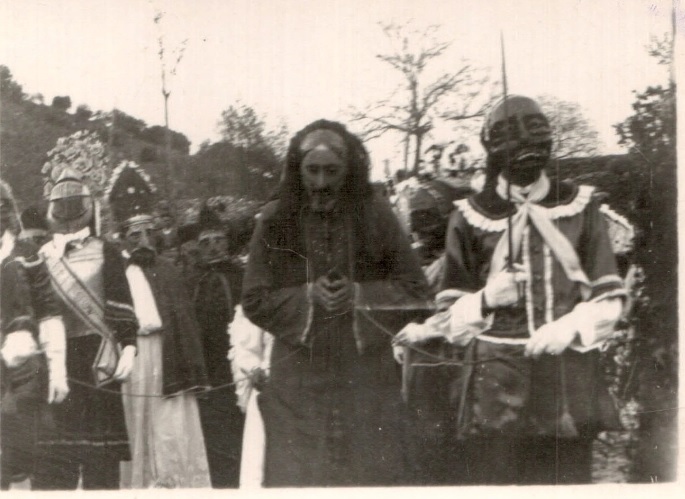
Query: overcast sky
(299, 60)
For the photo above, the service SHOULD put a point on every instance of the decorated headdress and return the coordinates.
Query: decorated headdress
(130, 194)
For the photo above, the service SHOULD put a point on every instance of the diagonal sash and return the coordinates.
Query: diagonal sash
(86, 305)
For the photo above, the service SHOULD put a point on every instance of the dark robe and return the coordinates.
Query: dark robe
(26, 298)
(332, 407)
(216, 294)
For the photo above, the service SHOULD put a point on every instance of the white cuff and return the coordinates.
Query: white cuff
(466, 319)
(595, 321)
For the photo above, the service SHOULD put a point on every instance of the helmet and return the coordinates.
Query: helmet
(70, 207)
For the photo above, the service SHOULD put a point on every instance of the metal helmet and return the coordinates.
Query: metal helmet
(527, 126)
(70, 207)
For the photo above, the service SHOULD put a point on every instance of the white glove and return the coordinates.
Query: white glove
(53, 342)
(552, 338)
(410, 334)
(18, 347)
(125, 364)
(399, 351)
(502, 290)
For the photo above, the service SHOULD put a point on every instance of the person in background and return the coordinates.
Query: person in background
(160, 397)
(331, 275)
(34, 226)
(534, 290)
(32, 345)
(84, 438)
(216, 294)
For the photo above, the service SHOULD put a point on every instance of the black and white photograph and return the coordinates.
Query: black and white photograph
(364, 246)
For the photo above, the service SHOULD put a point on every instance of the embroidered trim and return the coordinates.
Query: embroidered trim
(486, 224)
(607, 279)
(549, 291)
(615, 293)
(503, 341)
(530, 313)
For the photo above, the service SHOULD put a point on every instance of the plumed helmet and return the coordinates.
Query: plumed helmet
(513, 123)
(70, 207)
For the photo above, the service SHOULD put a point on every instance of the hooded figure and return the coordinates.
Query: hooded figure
(164, 426)
(332, 276)
(85, 436)
(531, 290)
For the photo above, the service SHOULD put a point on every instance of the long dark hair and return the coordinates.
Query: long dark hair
(355, 192)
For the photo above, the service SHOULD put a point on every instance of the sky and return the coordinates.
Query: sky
(299, 60)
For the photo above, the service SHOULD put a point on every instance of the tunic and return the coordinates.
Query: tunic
(332, 408)
(507, 393)
(89, 423)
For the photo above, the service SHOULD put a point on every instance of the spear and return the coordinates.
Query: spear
(507, 165)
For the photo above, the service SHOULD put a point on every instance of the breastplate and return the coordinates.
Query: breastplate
(87, 263)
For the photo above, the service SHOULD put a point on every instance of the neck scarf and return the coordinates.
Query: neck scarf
(528, 209)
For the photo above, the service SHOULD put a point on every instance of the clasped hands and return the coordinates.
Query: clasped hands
(334, 294)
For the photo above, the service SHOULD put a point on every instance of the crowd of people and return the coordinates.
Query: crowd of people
(339, 355)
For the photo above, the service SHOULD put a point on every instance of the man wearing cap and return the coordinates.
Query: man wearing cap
(331, 275)
(30, 321)
(216, 295)
(85, 436)
(161, 409)
(531, 290)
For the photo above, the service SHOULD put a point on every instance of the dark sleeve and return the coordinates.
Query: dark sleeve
(17, 311)
(43, 298)
(284, 312)
(461, 269)
(119, 313)
(404, 285)
(597, 258)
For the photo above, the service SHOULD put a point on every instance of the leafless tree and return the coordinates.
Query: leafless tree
(573, 135)
(421, 100)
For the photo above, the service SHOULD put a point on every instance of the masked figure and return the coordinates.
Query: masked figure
(332, 276)
(85, 436)
(535, 297)
(32, 339)
(164, 425)
(216, 295)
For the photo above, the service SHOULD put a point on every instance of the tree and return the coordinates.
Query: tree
(422, 99)
(242, 126)
(83, 112)
(573, 135)
(9, 89)
(650, 135)
(61, 103)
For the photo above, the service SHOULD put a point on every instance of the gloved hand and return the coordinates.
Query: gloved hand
(399, 352)
(53, 342)
(125, 364)
(552, 338)
(410, 334)
(18, 347)
(503, 289)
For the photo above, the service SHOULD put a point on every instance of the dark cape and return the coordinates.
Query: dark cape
(183, 363)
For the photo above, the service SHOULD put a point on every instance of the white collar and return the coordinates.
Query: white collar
(59, 241)
(6, 244)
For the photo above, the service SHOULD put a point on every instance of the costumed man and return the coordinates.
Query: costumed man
(85, 436)
(162, 414)
(32, 340)
(532, 270)
(216, 294)
(332, 276)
